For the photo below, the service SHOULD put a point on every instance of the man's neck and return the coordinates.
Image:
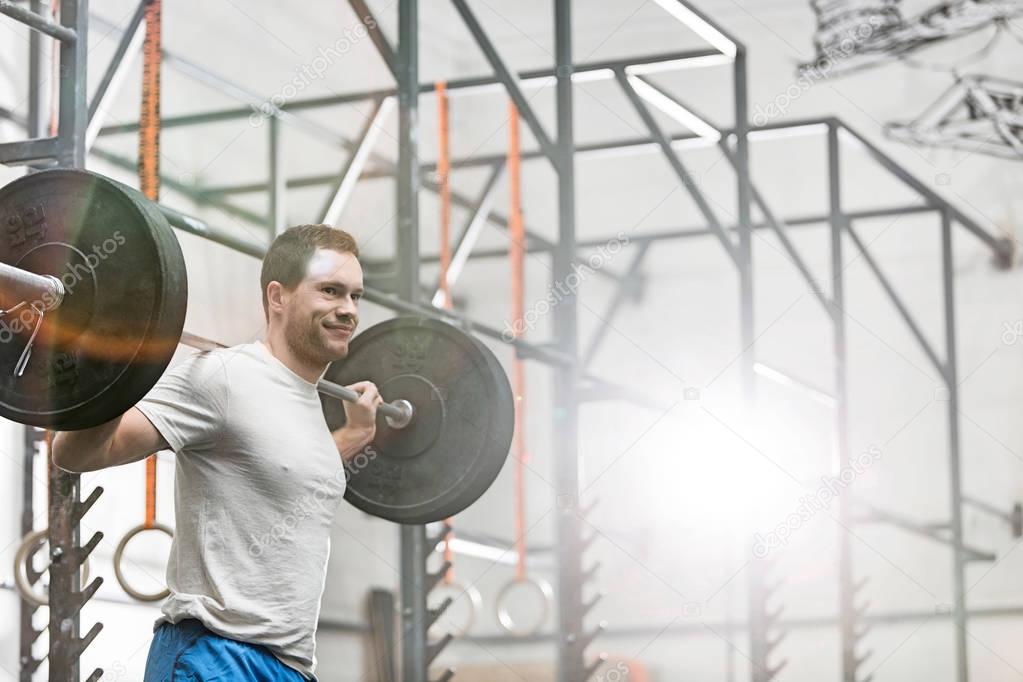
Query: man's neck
(279, 348)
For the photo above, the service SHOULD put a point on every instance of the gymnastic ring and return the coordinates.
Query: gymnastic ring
(475, 603)
(504, 617)
(119, 557)
(30, 545)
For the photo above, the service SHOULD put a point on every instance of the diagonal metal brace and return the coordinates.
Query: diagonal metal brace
(510, 80)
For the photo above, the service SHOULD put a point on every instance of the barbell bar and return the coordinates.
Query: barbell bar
(23, 285)
(399, 413)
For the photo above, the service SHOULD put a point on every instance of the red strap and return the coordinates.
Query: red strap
(517, 257)
(443, 175)
(149, 169)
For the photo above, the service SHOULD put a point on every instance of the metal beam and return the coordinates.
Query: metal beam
(27, 632)
(66, 596)
(960, 553)
(849, 617)
(624, 290)
(38, 56)
(199, 228)
(128, 47)
(904, 312)
(925, 530)
(414, 548)
(37, 21)
(27, 151)
(676, 165)
(1002, 247)
(191, 191)
(507, 77)
(572, 637)
(376, 34)
(780, 230)
(73, 106)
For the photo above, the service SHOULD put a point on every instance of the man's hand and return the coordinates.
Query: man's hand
(361, 420)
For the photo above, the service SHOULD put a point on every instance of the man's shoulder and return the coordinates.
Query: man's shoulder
(217, 362)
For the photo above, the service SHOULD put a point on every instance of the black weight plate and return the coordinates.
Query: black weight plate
(115, 333)
(461, 434)
(489, 474)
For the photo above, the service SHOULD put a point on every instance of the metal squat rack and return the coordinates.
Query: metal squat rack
(400, 288)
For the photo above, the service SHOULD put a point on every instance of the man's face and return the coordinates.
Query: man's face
(323, 311)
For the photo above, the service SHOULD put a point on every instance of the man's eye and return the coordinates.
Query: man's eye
(329, 290)
(356, 297)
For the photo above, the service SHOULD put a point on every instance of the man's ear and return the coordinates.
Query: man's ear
(276, 296)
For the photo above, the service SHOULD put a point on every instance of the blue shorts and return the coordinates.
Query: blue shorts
(188, 652)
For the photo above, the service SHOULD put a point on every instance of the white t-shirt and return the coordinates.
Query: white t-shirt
(258, 479)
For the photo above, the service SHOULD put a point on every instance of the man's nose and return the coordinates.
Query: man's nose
(346, 308)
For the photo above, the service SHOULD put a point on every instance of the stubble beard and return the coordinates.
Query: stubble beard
(306, 341)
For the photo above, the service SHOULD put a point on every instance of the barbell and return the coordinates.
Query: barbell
(93, 293)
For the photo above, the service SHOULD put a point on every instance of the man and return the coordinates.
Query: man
(258, 474)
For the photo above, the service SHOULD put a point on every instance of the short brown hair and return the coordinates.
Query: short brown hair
(289, 255)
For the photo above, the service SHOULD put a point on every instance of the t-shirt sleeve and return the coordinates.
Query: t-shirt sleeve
(188, 405)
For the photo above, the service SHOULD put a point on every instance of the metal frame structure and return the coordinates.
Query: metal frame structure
(401, 289)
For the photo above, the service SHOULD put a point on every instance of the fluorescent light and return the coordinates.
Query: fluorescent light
(785, 380)
(114, 87)
(646, 148)
(480, 551)
(588, 76)
(788, 131)
(348, 182)
(679, 64)
(699, 26)
(592, 75)
(673, 109)
(461, 255)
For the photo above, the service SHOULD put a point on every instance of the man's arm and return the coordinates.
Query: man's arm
(127, 438)
(184, 410)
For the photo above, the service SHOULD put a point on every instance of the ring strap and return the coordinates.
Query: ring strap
(517, 257)
(149, 168)
(119, 559)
